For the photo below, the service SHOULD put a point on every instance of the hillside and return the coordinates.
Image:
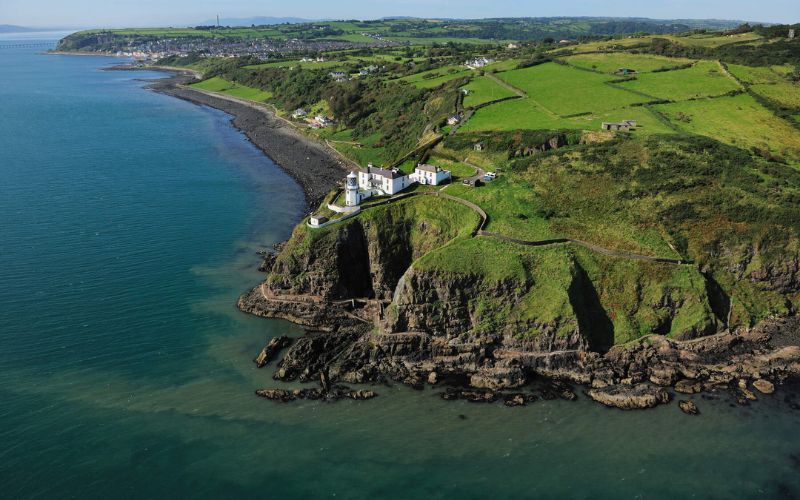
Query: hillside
(682, 225)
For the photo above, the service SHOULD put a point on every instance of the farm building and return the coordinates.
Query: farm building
(479, 146)
(623, 126)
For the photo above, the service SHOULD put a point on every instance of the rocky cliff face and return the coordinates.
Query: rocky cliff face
(394, 308)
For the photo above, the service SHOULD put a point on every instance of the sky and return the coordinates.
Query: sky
(136, 13)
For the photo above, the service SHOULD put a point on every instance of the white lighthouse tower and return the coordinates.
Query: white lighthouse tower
(352, 197)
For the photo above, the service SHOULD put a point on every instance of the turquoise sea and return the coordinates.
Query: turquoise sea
(129, 223)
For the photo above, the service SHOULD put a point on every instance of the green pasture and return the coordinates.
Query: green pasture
(217, 84)
(704, 79)
(611, 62)
(482, 90)
(566, 91)
(739, 120)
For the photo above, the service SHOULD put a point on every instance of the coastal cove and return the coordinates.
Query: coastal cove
(127, 370)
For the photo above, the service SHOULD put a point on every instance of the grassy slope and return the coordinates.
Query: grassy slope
(525, 114)
(566, 91)
(435, 77)
(701, 80)
(217, 84)
(482, 90)
(609, 63)
(737, 120)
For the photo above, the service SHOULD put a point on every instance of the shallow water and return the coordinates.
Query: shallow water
(129, 223)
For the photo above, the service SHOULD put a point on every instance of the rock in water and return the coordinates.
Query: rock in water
(275, 344)
(515, 400)
(764, 386)
(361, 395)
(688, 407)
(630, 397)
(276, 395)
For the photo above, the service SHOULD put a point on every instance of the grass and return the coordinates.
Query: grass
(761, 74)
(610, 62)
(738, 120)
(525, 114)
(344, 142)
(567, 91)
(513, 115)
(701, 80)
(435, 77)
(711, 40)
(482, 90)
(299, 63)
(458, 169)
(504, 65)
(783, 93)
(619, 44)
(217, 84)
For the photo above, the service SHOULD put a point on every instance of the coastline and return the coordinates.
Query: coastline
(311, 164)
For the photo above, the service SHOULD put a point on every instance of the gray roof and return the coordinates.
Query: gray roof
(382, 172)
(428, 168)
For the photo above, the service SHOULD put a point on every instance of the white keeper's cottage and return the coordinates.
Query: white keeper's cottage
(375, 181)
(430, 174)
(387, 182)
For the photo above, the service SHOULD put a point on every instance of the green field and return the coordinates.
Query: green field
(299, 63)
(711, 40)
(761, 74)
(218, 84)
(704, 79)
(504, 65)
(566, 91)
(737, 120)
(482, 90)
(513, 115)
(618, 44)
(609, 63)
(435, 77)
(525, 114)
(784, 93)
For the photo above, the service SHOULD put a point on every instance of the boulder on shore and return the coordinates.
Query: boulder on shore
(630, 397)
(688, 386)
(764, 386)
(275, 344)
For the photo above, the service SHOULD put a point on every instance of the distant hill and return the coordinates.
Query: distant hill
(10, 28)
(257, 21)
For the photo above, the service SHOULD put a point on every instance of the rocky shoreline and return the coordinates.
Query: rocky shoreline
(312, 164)
(398, 334)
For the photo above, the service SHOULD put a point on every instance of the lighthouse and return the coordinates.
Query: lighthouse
(352, 197)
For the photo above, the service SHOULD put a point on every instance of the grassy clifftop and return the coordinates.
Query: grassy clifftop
(730, 219)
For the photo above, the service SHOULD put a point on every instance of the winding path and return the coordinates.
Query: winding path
(483, 219)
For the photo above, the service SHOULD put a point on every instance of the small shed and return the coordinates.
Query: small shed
(317, 220)
(622, 126)
(479, 146)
